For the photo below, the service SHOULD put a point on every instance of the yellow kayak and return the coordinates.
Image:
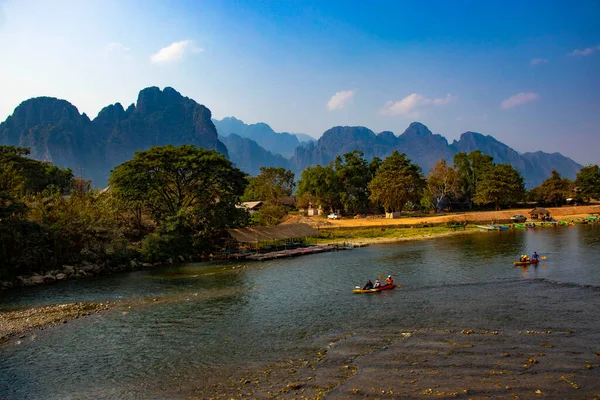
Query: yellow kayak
(379, 289)
(526, 262)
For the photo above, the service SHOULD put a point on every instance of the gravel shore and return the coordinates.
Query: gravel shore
(17, 323)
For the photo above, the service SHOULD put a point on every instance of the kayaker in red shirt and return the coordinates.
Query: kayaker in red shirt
(389, 280)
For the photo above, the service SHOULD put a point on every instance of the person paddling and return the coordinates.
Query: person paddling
(535, 256)
(368, 285)
(389, 280)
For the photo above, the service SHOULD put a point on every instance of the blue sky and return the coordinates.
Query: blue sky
(527, 72)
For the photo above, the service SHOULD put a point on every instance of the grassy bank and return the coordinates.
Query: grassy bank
(388, 234)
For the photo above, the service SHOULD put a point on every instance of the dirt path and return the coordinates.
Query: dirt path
(559, 213)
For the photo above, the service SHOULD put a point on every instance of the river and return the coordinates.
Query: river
(242, 316)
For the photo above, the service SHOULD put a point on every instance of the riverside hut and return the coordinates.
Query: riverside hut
(539, 213)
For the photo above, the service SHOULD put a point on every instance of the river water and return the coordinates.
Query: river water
(239, 315)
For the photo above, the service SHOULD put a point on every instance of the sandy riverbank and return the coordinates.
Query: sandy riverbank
(476, 217)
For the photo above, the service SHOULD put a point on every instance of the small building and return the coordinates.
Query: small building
(312, 210)
(392, 215)
(539, 213)
(251, 206)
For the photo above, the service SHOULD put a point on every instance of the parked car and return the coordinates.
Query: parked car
(518, 218)
(333, 216)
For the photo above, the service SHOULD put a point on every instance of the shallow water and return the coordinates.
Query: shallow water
(236, 314)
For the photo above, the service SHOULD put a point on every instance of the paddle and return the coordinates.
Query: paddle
(543, 257)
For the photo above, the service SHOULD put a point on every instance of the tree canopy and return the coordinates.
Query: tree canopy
(397, 181)
(271, 185)
(554, 190)
(500, 185)
(442, 182)
(471, 168)
(588, 183)
(182, 187)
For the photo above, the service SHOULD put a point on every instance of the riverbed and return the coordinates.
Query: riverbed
(466, 323)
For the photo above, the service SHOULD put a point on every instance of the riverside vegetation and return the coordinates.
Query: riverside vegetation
(170, 204)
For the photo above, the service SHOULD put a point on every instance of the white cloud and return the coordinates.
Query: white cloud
(175, 52)
(117, 47)
(340, 99)
(585, 52)
(536, 61)
(519, 99)
(410, 105)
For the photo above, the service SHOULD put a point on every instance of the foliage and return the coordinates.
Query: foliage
(553, 190)
(271, 185)
(22, 175)
(442, 182)
(354, 174)
(268, 215)
(500, 185)
(471, 168)
(81, 226)
(319, 185)
(190, 193)
(588, 183)
(397, 181)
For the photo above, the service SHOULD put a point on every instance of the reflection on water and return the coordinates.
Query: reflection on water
(236, 313)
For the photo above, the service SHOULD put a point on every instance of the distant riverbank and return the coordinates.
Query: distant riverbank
(382, 230)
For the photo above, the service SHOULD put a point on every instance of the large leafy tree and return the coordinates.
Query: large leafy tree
(500, 185)
(471, 168)
(442, 183)
(588, 183)
(271, 185)
(22, 175)
(554, 190)
(320, 186)
(397, 182)
(186, 190)
(354, 175)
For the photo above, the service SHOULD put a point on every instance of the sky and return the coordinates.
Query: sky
(525, 72)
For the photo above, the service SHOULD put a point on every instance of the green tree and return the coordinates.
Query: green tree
(271, 185)
(442, 183)
(23, 175)
(191, 193)
(354, 174)
(471, 168)
(500, 185)
(319, 185)
(588, 183)
(554, 190)
(397, 182)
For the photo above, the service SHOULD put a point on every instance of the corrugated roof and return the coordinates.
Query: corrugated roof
(266, 233)
(249, 205)
(539, 210)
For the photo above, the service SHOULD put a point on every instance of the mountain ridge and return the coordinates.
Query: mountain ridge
(55, 131)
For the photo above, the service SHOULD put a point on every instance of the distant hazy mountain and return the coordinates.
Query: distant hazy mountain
(280, 143)
(425, 148)
(55, 131)
(248, 156)
(303, 137)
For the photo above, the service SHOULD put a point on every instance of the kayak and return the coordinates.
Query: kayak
(526, 262)
(379, 289)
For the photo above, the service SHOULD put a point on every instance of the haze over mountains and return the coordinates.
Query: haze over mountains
(55, 131)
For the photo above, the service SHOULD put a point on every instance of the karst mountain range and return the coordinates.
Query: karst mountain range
(55, 131)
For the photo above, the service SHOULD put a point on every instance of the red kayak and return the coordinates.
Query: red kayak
(379, 289)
